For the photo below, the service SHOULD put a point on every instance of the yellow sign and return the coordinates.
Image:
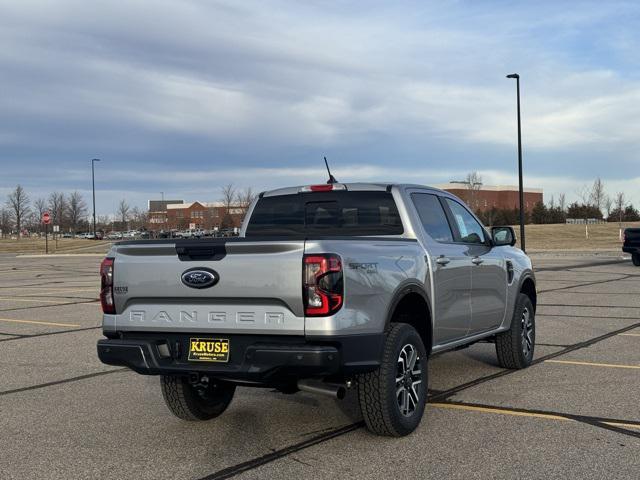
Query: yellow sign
(209, 349)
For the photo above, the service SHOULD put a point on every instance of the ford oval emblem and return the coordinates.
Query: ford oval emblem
(200, 278)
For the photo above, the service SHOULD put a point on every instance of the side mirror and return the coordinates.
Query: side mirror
(503, 236)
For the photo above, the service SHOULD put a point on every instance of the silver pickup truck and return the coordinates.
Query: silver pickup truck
(328, 287)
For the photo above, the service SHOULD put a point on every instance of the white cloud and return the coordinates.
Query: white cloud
(83, 77)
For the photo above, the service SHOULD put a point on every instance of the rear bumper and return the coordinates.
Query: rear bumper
(268, 360)
(631, 249)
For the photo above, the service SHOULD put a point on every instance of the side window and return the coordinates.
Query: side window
(470, 230)
(434, 221)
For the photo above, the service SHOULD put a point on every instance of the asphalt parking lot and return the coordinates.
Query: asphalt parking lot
(574, 414)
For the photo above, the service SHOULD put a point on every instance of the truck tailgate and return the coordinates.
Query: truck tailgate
(632, 237)
(258, 287)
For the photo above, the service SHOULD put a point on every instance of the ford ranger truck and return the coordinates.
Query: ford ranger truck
(632, 244)
(327, 287)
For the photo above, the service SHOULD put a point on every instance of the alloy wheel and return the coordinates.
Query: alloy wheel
(408, 380)
(527, 332)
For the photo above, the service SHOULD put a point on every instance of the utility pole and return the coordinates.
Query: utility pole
(520, 187)
(93, 187)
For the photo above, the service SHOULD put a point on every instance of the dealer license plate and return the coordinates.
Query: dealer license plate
(209, 349)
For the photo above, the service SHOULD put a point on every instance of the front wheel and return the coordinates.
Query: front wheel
(202, 401)
(515, 347)
(393, 398)
(635, 258)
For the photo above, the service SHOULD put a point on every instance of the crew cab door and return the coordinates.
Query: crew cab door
(488, 269)
(451, 301)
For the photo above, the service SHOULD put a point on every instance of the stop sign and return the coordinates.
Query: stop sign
(46, 218)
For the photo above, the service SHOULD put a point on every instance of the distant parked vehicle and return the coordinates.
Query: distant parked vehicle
(228, 232)
(67, 235)
(114, 236)
(193, 233)
(632, 244)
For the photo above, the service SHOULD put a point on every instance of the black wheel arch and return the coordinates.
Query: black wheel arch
(528, 287)
(411, 303)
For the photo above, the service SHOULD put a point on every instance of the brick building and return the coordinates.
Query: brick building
(157, 217)
(201, 215)
(498, 196)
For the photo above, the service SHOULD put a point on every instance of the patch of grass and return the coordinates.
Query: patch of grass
(64, 245)
(563, 237)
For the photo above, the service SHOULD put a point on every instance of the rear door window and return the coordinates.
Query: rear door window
(434, 220)
(326, 213)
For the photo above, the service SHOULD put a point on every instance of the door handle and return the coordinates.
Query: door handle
(476, 260)
(442, 260)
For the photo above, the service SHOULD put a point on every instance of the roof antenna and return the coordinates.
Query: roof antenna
(332, 179)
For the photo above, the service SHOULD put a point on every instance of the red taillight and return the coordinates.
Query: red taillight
(322, 284)
(106, 286)
(323, 187)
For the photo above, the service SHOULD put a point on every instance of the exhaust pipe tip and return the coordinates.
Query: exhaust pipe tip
(322, 388)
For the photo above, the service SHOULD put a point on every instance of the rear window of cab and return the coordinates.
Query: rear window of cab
(326, 213)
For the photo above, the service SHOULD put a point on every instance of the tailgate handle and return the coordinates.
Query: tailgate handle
(201, 252)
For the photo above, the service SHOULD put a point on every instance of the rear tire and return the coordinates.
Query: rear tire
(190, 402)
(392, 398)
(635, 258)
(515, 347)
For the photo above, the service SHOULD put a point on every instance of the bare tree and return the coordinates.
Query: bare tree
(473, 182)
(5, 222)
(139, 217)
(228, 196)
(552, 202)
(244, 198)
(103, 220)
(562, 201)
(584, 193)
(123, 212)
(76, 209)
(608, 204)
(620, 203)
(40, 206)
(597, 194)
(57, 207)
(18, 203)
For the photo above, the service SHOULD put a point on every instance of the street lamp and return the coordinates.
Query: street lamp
(93, 186)
(521, 191)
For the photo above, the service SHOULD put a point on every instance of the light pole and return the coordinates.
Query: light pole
(93, 187)
(521, 191)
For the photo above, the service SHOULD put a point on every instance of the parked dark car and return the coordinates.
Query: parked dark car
(632, 244)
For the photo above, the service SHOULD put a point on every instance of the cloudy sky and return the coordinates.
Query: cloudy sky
(185, 96)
